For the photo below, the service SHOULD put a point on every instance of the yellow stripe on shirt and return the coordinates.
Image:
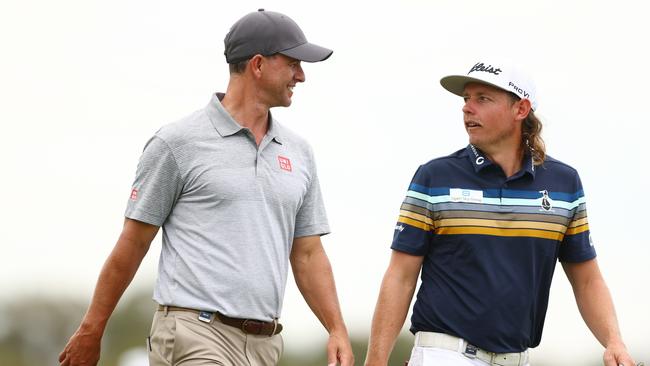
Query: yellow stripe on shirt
(460, 230)
(577, 229)
(501, 224)
(414, 223)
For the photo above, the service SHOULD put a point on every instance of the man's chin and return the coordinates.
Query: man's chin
(282, 104)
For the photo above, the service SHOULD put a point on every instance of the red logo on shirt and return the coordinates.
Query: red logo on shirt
(285, 163)
(134, 194)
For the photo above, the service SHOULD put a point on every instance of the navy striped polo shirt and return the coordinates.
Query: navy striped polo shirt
(490, 245)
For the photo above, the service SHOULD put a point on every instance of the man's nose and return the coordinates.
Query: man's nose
(467, 108)
(300, 75)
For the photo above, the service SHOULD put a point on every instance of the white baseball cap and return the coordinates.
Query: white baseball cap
(499, 75)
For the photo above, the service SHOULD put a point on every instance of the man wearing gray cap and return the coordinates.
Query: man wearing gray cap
(238, 198)
(486, 226)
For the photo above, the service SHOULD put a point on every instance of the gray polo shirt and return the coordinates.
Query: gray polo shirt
(229, 211)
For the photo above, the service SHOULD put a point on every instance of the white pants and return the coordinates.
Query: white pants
(429, 356)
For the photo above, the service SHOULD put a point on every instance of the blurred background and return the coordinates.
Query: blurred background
(84, 84)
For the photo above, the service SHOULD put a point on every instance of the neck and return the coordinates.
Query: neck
(509, 160)
(243, 105)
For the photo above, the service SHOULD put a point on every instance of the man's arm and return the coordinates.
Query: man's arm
(83, 348)
(315, 280)
(597, 309)
(393, 303)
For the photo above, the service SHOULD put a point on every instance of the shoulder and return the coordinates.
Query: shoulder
(558, 176)
(554, 166)
(453, 160)
(190, 128)
(443, 170)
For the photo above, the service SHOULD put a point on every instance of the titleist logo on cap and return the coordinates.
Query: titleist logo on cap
(481, 67)
(501, 75)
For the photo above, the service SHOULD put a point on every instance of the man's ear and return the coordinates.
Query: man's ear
(523, 109)
(255, 65)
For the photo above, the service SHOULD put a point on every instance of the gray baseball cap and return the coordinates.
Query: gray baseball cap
(267, 33)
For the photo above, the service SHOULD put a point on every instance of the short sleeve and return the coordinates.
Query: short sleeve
(414, 230)
(157, 184)
(577, 245)
(311, 218)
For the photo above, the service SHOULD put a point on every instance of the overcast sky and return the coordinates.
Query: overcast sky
(84, 84)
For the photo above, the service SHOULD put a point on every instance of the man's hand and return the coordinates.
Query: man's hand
(616, 354)
(313, 274)
(118, 271)
(395, 295)
(597, 309)
(339, 350)
(82, 349)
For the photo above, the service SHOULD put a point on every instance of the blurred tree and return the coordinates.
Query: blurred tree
(128, 328)
(401, 353)
(33, 330)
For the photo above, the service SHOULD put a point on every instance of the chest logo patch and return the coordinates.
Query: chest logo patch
(285, 163)
(547, 203)
(465, 195)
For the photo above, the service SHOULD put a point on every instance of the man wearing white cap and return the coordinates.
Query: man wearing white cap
(486, 225)
(238, 198)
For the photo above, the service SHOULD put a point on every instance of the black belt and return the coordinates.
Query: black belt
(248, 326)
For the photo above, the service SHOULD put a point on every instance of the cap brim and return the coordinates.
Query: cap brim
(308, 52)
(456, 83)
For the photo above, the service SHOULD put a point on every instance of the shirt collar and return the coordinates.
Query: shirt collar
(226, 126)
(480, 161)
(529, 164)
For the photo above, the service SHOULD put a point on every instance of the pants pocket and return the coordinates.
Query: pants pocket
(416, 357)
(161, 340)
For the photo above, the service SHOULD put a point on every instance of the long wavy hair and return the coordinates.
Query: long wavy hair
(531, 135)
(531, 138)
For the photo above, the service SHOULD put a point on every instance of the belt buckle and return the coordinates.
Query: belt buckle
(256, 326)
(243, 325)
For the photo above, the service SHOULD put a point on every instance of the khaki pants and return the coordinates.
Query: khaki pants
(179, 338)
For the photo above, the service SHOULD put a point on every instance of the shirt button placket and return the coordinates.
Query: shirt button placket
(257, 163)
